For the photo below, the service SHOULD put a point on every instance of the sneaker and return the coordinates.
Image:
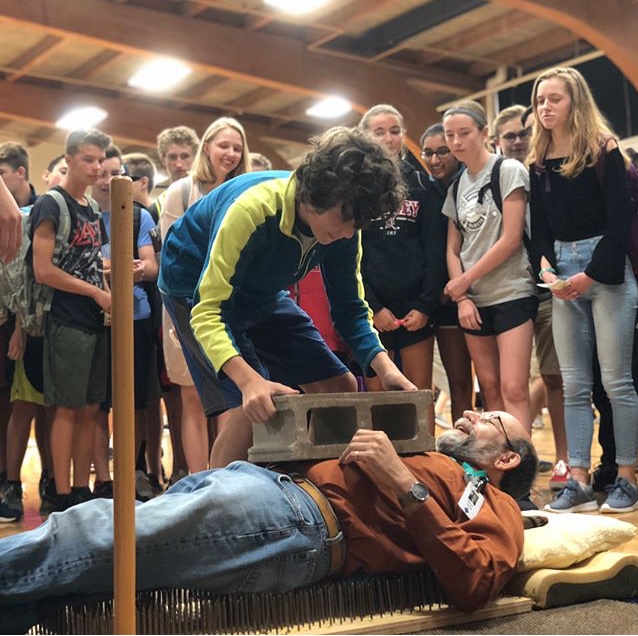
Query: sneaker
(7, 514)
(560, 475)
(63, 502)
(81, 494)
(155, 484)
(538, 422)
(622, 497)
(574, 497)
(103, 490)
(12, 498)
(544, 466)
(143, 489)
(604, 475)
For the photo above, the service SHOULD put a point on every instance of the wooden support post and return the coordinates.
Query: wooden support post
(123, 403)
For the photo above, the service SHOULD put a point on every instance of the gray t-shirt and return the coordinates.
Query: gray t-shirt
(482, 226)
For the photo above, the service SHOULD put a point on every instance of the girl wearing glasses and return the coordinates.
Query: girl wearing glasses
(403, 264)
(490, 278)
(444, 168)
(581, 214)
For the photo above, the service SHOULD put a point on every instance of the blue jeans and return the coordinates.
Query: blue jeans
(603, 317)
(242, 528)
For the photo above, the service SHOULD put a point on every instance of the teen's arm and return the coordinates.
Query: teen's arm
(49, 274)
(391, 378)
(10, 225)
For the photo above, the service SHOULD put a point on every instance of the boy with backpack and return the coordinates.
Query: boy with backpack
(75, 342)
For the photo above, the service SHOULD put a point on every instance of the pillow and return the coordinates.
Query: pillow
(570, 538)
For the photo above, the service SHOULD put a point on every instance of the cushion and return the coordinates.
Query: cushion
(570, 538)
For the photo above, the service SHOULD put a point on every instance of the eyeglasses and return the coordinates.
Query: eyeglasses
(441, 153)
(492, 418)
(521, 134)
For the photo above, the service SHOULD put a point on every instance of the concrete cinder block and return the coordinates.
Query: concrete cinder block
(320, 425)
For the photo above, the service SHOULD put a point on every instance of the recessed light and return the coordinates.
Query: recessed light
(330, 108)
(159, 74)
(296, 7)
(82, 118)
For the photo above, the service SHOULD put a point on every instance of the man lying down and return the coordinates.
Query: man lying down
(245, 528)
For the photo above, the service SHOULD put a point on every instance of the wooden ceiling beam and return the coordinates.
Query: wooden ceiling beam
(191, 9)
(202, 87)
(252, 98)
(34, 56)
(138, 123)
(518, 54)
(282, 63)
(88, 69)
(479, 34)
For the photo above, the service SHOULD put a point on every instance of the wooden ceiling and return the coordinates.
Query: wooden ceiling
(257, 64)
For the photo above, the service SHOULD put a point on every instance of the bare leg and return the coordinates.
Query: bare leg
(18, 429)
(417, 367)
(83, 444)
(194, 430)
(458, 366)
(554, 388)
(61, 445)
(153, 435)
(484, 352)
(173, 405)
(515, 349)
(101, 447)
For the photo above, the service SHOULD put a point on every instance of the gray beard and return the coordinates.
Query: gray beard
(466, 448)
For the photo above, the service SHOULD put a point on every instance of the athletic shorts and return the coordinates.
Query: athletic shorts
(278, 340)
(545, 350)
(448, 315)
(75, 365)
(401, 338)
(502, 317)
(145, 373)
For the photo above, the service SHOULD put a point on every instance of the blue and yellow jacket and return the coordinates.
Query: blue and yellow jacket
(235, 249)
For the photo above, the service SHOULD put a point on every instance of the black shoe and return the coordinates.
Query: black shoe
(63, 502)
(155, 484)
(604, 475)
(12, 501)
(42, 484)
(526, 503)
(544, 466)
(81, 494)
(8, 515)
(103, 490)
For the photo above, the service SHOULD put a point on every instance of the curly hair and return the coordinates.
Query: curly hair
(518, 481)
(348, 166)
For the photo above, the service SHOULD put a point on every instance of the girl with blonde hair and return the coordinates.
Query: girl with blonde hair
(581, 217)
(222, 154)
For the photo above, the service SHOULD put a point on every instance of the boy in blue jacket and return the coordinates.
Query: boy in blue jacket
(234, 252)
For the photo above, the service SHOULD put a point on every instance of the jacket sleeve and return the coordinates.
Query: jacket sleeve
(610, 255)
(472, 560)
(370, 295)
(541, 239)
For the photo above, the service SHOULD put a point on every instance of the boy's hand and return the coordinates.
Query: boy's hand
(257, 398)
(103, 299)
(394, 380)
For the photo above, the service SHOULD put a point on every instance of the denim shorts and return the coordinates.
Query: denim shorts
(502, 317)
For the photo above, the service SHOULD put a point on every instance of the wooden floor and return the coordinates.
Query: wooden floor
(542, 495)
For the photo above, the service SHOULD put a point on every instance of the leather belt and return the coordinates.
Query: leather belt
(335, 536)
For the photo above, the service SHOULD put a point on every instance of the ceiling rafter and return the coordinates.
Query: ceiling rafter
(42, 106)
(252, 98)
(283, 63)
(34, 56)
(88, 69)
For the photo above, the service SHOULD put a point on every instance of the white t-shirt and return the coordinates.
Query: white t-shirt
(482, 225)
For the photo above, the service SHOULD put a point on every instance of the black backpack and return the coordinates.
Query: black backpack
(494, 186)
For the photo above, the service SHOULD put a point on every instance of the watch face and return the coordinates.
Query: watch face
(419, 492)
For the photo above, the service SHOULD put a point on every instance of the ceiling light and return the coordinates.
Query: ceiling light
(295, 7)
(159, 74)
(330, 108)
(82, 118)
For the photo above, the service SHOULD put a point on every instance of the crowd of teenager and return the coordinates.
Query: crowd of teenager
(508, 251)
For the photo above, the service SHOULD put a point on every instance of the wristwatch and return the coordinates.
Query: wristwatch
(418, 492)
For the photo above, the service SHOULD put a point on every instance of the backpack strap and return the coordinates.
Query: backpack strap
(494, 184)
(64, 224)
(455, 197)
(137, 220)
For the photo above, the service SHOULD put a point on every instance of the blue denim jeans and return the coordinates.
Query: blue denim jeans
(604, 317)
(242, 528)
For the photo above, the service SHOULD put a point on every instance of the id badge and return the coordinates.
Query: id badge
(471, 500)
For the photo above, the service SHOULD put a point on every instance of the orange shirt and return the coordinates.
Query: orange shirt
(472, 558)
